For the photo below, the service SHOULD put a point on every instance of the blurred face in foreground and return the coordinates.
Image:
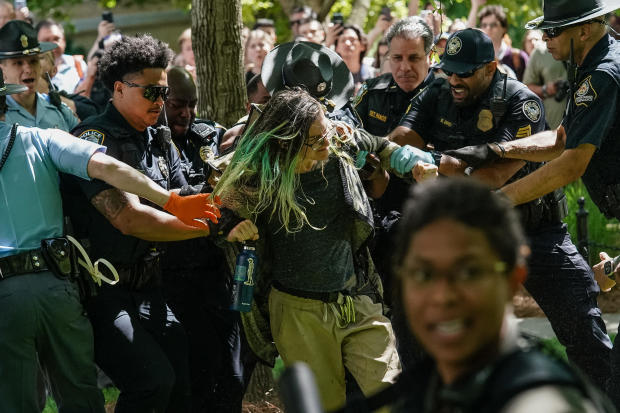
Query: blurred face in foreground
(455, 291)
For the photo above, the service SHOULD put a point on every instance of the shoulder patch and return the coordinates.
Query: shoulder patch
(360, 95)
(532, 110)
(585, 93)
(524, 131)
(92, 135)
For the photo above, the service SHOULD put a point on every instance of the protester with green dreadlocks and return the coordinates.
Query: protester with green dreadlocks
(293, 176)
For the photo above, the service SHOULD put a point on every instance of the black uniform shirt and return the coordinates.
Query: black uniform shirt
(435, 117)
(593, 115)
(135, 148)
(380, 104)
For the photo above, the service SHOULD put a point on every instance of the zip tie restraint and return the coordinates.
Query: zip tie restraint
(93, 269)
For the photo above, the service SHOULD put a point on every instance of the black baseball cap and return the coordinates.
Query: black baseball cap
(18, 38)
(467, 50)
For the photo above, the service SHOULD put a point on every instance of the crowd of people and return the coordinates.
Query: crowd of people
(395, 204)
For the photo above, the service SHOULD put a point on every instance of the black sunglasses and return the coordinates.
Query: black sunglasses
(552, 32)
(151, 92)
(464, 75)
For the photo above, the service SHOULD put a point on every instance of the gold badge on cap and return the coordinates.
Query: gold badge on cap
(454, 46)
(485, 120)
(24, 39)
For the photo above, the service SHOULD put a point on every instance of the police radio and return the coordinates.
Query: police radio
(499, 104)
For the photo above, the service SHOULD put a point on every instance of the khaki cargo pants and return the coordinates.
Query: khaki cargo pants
(325, 337)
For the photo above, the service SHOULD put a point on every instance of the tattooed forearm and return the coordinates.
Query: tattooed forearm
(110, 202)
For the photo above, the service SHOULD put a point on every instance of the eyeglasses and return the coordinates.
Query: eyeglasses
(552, 32)
(151, 92)
(464, 275)
(317, 141)
(489, 25)
(464, 75)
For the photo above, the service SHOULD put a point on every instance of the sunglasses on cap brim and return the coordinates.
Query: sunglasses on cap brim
(151, 92)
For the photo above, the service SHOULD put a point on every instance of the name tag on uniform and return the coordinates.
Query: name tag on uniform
(445, 122)
(379, 116)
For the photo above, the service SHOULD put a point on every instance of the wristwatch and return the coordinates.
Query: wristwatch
(610, 266)
(544, 91)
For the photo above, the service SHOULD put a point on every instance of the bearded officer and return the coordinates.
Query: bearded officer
(476, 105)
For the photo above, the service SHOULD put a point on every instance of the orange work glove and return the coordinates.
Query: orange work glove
(189, 209)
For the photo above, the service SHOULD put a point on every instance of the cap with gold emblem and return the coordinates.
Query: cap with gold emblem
(18, 39)
(466, 50)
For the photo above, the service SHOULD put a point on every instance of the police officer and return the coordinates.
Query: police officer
(196, 284)
(477, 104)
(139, 343)
(42, 316)
(19, 60)
(382, 101)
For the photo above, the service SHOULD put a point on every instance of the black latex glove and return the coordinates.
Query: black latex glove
(475, 155)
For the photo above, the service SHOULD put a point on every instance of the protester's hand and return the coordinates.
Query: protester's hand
(333, 31)
(404, 158)
(104, 29)
(604, 282)
(478, 3)
(190, 209)
(243, 231)
(423, 171)
(476, 155)
(22, 14)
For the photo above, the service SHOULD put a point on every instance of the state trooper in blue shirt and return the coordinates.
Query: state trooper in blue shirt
(19, 59)
(476, 105)
(43, 320)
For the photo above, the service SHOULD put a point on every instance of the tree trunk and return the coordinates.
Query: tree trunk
(216, 40)
(359, 10)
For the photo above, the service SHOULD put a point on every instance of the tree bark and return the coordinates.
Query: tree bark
(359, 10)
(216, 40)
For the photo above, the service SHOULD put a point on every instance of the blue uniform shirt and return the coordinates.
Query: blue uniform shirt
(48, 115)
(30, 202)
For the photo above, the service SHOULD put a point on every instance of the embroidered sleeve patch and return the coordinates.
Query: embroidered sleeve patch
(92, 135)
(585, 93)
(360, 95)
(531, 110)
(523, 132)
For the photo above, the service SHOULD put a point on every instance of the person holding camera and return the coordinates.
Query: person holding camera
(547, 77)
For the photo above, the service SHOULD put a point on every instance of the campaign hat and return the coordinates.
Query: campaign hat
(312, 66)
(558, 13)
(18, 38)
(467, 50)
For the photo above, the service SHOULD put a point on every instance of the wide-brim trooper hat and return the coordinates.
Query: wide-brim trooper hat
(467, 50)
(558, 13)
(9, 88)
(317, 68)
(18, 39)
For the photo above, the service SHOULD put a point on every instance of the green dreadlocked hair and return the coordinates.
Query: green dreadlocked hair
(268, 154)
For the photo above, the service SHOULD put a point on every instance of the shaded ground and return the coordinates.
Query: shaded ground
(525, 306)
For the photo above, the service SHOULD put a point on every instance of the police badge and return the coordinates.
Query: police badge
(485, 120)
(163, 167)
(454, 46)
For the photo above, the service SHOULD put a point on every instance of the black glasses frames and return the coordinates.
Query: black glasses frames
(556, 31)
(151, 92)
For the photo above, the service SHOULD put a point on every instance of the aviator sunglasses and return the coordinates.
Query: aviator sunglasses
(151, 92)
(552, 32)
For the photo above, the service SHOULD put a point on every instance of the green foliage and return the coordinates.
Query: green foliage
(266, 9)
(602, 232)
(110, 395)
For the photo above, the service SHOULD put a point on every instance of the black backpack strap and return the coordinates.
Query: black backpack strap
(9, 146)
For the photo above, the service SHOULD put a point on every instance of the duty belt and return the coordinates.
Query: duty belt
(23, 263)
